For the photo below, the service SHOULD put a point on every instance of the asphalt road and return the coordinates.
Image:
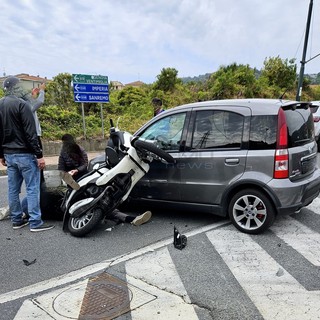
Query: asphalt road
(220, 274)
(224, 274)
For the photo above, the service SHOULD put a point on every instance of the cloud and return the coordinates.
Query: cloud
(134, 40)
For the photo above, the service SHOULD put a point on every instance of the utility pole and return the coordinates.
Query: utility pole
(303, 61)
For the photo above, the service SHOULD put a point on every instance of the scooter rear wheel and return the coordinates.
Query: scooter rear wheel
(84, 224)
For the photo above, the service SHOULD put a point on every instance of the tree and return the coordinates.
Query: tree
(280, 73)
(232, 81)
(167, 80)
(59, 91)
(129, 95)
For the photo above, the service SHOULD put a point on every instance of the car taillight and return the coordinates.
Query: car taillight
(316, 119)
(281, 157)
(281, 164)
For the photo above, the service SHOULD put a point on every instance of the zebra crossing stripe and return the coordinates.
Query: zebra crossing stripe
(301, 238)
(154, 271)
(314, 206)
(275, 293)
(60, 304)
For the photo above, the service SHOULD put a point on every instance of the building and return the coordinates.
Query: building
(136, 84)
(28, 82)
(116, 85)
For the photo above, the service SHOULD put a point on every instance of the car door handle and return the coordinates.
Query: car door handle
(232, 161)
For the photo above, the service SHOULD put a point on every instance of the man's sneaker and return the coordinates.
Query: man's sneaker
(142, 218)
(43, 227)
(19, 225)
(4, 213)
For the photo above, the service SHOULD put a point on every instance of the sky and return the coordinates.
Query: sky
(131, 40)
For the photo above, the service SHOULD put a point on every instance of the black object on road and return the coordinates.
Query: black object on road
(179, 240)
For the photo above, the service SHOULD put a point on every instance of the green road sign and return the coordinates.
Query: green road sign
(86, 78)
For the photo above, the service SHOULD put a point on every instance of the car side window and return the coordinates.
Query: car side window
(217, 129)
(166, 131)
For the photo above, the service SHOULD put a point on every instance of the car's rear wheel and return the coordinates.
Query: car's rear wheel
(251, 211)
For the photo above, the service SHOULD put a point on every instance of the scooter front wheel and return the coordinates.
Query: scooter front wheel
(84, 224)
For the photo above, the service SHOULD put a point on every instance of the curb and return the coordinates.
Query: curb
(3, 172)
(53, 162)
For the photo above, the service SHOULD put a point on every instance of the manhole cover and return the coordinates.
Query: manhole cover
(105, 298)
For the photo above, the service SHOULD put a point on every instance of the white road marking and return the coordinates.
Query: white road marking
(59, 304)
(154, 271)
(301, 238)
(276, 295)
(53, 283)
(167, 305)
(157, 268)
(315, 205)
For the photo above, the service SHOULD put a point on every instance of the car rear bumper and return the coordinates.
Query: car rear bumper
(292, 196)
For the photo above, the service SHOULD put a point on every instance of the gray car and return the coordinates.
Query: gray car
(249, 159)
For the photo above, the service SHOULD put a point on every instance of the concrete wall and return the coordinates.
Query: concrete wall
(53, 148)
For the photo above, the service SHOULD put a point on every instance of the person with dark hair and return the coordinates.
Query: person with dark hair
(21, 153)
(73, 159)
(157, 106)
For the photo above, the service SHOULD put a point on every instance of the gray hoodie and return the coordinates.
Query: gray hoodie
(35, 105)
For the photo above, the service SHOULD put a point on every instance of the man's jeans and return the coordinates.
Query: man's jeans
(24, 167)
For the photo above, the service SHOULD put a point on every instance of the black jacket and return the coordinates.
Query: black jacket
(67, 163)
(17, 128)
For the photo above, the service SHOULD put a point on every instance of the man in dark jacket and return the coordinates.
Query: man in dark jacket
(21, 153)
(157, 106)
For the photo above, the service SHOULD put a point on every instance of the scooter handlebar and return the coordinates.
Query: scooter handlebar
(143, 145)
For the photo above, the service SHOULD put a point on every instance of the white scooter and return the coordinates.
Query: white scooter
(109, 184)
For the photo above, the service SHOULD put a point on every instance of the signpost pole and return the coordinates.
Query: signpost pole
(84, 121)
(102, 122)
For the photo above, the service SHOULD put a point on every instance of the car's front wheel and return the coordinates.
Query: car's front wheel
(251, 211)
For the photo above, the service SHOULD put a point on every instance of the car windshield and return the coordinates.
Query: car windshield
(166, 131)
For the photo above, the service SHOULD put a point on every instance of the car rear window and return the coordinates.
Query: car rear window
(300, 126)
(263, 132)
